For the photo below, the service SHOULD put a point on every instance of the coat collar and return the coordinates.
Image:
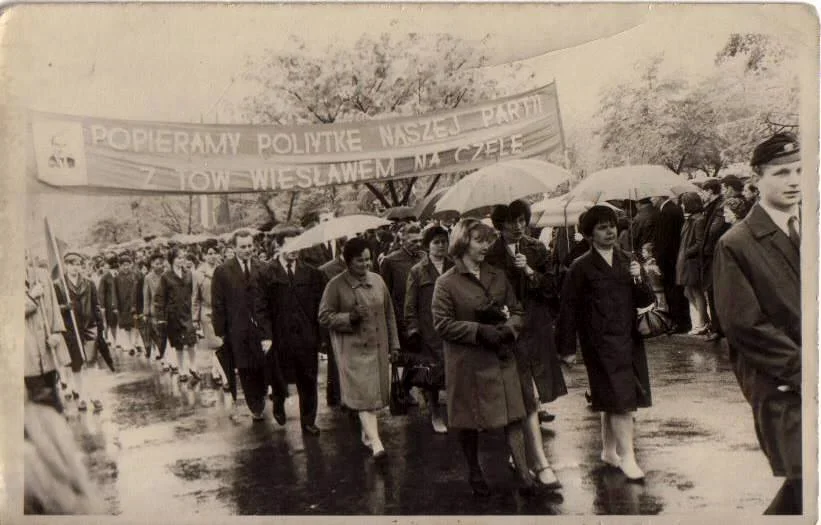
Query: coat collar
(619, 259)
(355, 283)
(486, 272)
(764, 229)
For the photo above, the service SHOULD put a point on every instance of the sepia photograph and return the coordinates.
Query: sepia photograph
(424, 262)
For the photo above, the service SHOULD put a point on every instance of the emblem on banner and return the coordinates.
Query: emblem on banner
(60, 152)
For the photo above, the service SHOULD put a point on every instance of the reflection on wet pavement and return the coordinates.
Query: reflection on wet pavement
(164, 449)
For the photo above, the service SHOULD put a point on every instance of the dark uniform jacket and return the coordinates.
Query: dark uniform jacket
(759, 306)
(714, 227)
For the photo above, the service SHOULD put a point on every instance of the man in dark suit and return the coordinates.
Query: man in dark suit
(667, 243)
(288, 310)
(714, 227)
(758, 298)
(233, 293)
(645, 224)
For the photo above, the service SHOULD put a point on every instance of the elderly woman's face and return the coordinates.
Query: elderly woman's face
(478, 247)
(604, 235)
(360, 264)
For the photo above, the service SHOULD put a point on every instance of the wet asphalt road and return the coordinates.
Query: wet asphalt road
(164, 449)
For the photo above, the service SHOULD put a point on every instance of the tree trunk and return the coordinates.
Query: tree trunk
(190, 212)
(433, 184)
(291, 206)
(408, 191)
(394, 196)
(378, 194)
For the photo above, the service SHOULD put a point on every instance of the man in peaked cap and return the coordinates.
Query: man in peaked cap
(757, 277)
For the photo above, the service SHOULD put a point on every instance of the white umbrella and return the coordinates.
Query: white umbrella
(345, 226)
(631, 182)
(502, 183)
(561, 212)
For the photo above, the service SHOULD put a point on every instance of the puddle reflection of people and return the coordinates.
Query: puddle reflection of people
(614, 494)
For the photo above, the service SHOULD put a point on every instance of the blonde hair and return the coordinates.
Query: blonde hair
(462, 232)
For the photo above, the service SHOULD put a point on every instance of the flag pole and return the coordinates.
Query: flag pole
(61, 279)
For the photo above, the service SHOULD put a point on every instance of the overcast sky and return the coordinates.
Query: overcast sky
(177, 63)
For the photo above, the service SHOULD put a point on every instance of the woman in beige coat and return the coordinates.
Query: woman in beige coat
(477, 315)
(357, 309)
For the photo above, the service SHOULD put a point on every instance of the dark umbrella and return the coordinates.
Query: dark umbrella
(104, 351)
(400, 213)
(425, 207)
(226, 361)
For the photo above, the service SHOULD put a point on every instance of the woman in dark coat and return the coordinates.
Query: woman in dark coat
(173, 306)
(419, 318)
(688, 263)
(476, 314)
(525, 262)
(600, 296)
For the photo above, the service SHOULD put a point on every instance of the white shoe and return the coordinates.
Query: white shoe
(612, 460)
(439, 426)
(632, 470)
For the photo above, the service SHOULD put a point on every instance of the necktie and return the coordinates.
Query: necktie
(795, 237)
(246, 270)
(290, 268)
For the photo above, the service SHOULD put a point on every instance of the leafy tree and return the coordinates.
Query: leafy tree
(379, 77)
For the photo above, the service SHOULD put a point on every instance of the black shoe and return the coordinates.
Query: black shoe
(132, 352)
(279, 411)
(478, 484)
(545, 416)
(714, 336)
(310, 429)
(589, 398)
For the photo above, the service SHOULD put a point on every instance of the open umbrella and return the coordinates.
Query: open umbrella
(330, 230)
(632, 183)
(425, 207)
(285, 228)
(502, 183)
(400, 213)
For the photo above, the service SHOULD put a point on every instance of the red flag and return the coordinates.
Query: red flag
(56, 248)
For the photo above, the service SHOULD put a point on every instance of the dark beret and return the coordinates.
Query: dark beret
(781, 148)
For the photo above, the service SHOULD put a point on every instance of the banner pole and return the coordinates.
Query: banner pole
(62, 281)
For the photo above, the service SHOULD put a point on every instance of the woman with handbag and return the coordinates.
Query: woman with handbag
(357, 309)
(600, 297)
(477, 315)
(423, 338)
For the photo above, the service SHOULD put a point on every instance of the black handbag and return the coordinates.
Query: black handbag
(653, 322)
(427, 376)
(399, 401)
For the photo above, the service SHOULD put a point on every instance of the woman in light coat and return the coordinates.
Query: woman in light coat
(202, 309)
(45, 347)
(357, 309)
(477, 315)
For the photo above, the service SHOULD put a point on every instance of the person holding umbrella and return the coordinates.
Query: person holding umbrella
(600, 295)
(525, 263)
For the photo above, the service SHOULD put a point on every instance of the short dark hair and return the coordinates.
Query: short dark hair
(210, 244)
(112, 262)
(241, 233)
(173, 253)
(691, 202)
(596, 215)
(156, 255)
(354, 247)
(432, 232)
(502, 214)
(713, 186)
(410, 228)
(309, 218)
(125, 259)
